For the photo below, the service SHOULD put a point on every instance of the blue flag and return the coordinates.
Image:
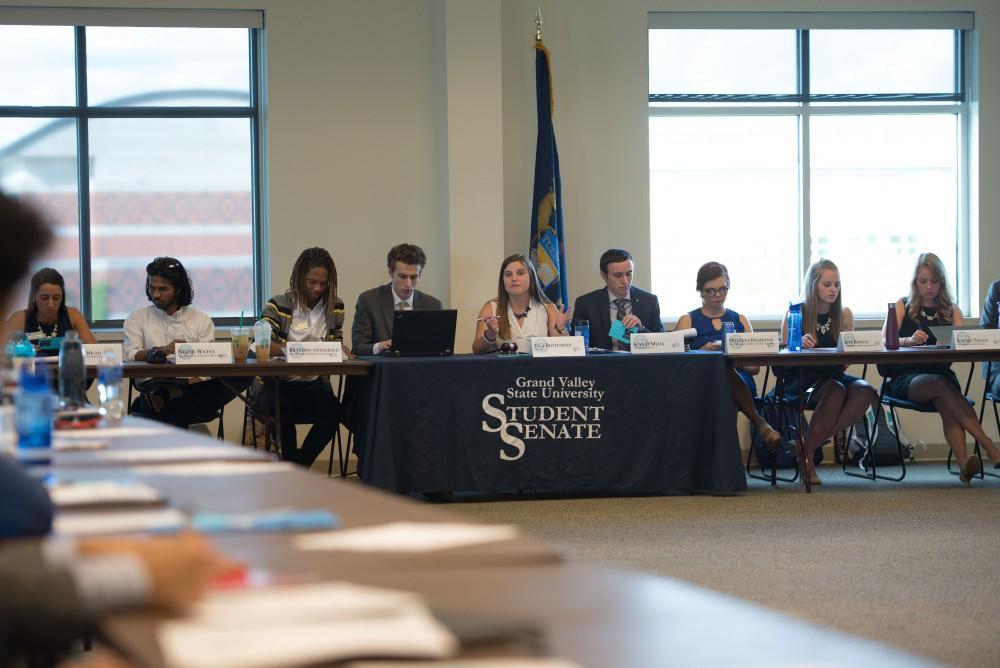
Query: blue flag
(547, 248)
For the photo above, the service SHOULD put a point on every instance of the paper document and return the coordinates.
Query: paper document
(111, 432)
(303, 624)
(165, 520)
(102, 492)
(181, 453)
(215, 468)
(76, 444)
(503, 662)
(408, 537)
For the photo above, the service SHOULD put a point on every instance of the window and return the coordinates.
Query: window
(777, 139)
(138, 141)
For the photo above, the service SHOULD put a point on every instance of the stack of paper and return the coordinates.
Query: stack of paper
(165, 520)
(408, 537)
(102, 493)
(303, 624)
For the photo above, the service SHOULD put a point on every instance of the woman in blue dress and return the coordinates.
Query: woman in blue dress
(713, 284)
(837, 399)
(930, 303)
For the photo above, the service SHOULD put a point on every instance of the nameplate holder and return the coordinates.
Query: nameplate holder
(657, 342)
(557, 346)
(975, 339)
(314, 351)
(862, 340)
(93, 352)
(751, 343)
(204, 353)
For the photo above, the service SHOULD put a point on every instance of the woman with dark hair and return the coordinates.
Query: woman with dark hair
(837, 399)
(930, 303)
(47, 316)
(520, 311)
(308, 311)
(713, 284)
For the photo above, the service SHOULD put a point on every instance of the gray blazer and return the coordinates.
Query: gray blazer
(373, 316)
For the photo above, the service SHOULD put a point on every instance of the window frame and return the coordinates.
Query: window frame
(82, 113)
(805, 105)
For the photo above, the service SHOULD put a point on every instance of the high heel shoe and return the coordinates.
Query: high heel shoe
(970, 469)
(772, 439)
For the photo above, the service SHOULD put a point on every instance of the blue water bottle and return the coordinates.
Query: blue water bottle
(33, 417)
(795, 327)
(728, 327)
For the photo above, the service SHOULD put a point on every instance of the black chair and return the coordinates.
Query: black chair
(342, 444)
(776, 407)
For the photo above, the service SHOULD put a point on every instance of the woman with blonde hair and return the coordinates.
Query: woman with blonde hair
(837, 399)
(930, 303)
(520, 311)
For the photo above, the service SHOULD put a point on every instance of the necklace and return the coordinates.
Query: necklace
(823, 327)
(55, 330)
(928, 316)
(521, 315)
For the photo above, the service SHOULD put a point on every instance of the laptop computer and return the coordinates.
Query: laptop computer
(943, 333)
(423, 333)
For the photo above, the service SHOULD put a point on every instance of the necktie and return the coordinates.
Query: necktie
(403, 306)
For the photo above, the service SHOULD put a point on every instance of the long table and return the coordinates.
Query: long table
(831, 357)
(592, 615)
(617, 423)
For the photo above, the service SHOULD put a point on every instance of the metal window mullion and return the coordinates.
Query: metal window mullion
(965, 281)
(83, 172)
(805, 176)
(257, 193)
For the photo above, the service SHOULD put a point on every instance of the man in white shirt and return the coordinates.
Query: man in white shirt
(151, 333)
(371, 332)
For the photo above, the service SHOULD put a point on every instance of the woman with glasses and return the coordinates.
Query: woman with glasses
(929, 304)
(709, 321)
(837, 399)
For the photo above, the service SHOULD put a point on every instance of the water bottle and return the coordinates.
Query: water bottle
(33, 417)
(20, 352)
(727, 328)
(109, 377)
(72, 377)
(795, 327)
(891, 329)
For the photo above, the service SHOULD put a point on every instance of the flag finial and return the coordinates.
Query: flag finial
(538, 25)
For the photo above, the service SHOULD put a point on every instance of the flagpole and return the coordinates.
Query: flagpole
(538, 25)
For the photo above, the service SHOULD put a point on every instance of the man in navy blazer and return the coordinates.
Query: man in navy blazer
(371, 332)
(617, 300)
(988, 320)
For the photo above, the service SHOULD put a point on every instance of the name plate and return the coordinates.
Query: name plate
(751, 343)
(200, 353)
(975, 339)
(657, 342)
(557, 346)
(93, 352)
(866, 340)
(314, 351)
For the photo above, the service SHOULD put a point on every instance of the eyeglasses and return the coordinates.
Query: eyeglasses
(711, 292)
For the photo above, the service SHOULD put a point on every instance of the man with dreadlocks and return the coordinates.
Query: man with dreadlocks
(309, 311)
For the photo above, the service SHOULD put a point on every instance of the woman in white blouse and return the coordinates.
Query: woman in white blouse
(520, 310)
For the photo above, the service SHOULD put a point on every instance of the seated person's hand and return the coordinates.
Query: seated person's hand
(631, 321)
(808, 342)
(562, 318)
(493, 325)
(712, 345)
(918, 338)
(179, 567)
(347, 352)
(382, 346)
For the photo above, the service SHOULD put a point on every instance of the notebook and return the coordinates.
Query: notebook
(423, 333)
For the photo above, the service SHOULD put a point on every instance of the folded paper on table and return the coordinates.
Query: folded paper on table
(303, 624)
(210, 468)
(181, 453)
(102, 492)
(408, 537)
(278, 519)
(166, 520)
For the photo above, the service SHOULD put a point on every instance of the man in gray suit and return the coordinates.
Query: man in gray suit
(371, 332)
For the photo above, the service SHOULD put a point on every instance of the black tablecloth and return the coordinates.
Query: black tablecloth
(599, 424)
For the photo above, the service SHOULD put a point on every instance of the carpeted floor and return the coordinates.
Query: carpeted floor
(914, 564)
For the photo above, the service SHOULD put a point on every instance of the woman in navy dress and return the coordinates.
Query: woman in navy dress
(713, 284)
(47, 316)
(837, 399)
(930, 303)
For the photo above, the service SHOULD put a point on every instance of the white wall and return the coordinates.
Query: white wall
(414, 120)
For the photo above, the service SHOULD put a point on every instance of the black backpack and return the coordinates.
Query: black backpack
(883, 447)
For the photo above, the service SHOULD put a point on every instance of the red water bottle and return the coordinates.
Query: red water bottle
(891, 329)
